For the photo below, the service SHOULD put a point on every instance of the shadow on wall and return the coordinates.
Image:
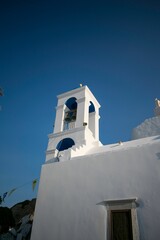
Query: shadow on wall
(156, 138)
(158, 155)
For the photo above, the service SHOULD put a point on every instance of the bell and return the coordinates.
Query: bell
(74, 116)
(67, 117)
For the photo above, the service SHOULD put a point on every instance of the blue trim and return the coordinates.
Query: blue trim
(71, 103)
(65, 144)
(91, 108)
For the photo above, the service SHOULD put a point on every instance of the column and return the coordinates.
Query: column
(82, 112)
(58, 126)
(94, 124)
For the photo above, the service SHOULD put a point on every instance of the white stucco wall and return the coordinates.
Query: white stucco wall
(150, 127)
(69, 192)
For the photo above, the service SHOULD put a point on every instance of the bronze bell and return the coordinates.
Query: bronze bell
(74, 116)
(67, 117)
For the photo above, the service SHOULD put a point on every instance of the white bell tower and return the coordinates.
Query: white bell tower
(76, 128)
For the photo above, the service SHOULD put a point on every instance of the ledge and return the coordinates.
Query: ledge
(115, 202)
(52, 135)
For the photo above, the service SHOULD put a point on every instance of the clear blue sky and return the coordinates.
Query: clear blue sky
(50, 47)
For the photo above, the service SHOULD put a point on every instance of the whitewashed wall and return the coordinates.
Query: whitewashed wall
(150, 127)
(69, 192)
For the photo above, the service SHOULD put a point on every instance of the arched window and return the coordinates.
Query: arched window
(91, 122)
(65, 144)
(91, 107)
(70, 113)
(71, 103)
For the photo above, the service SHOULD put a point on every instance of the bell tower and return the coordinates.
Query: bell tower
(76, 128)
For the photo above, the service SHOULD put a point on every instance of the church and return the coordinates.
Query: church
(91, 191)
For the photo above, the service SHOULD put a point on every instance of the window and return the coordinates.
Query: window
(65, 144)
(70, 113)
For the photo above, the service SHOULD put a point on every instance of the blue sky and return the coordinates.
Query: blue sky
(50, 47)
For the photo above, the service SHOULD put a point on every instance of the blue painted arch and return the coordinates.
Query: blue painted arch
(65, 144)
(71, 103)
(91, 107)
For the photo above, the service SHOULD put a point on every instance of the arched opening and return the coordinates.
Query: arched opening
(70, 113)
(65, 144)
(91, 107)
(91, 122)
(71, 103)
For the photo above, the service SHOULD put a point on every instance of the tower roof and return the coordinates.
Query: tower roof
(80, 91)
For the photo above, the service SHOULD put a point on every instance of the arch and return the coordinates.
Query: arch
(65, 144)
(70, 113)
(91, 107)
(92, 118)
(71, 103)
